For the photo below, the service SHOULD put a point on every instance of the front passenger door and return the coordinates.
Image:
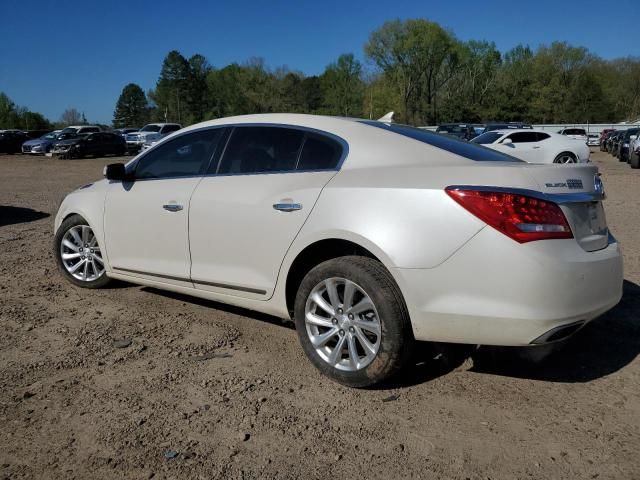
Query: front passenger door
(146, 220)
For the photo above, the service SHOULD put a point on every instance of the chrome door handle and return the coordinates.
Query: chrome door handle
(287, 207)
(172, 207)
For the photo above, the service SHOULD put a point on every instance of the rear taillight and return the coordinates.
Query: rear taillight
(520, 217)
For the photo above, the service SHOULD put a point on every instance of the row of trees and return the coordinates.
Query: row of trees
(14, 116)
(417, 69)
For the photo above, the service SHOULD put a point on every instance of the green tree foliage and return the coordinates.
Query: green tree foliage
(171, 94)
(13, 116)
(419, 57)
(421, 71)
(342, 87)
(132, 108)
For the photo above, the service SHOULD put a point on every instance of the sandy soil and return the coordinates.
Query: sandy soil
(209, 391)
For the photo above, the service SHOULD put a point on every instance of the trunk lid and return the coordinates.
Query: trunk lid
(579, 191)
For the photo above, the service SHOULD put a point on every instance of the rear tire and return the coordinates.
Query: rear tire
(565, 157)
(356, 349)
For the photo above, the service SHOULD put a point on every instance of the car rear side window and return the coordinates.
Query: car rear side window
(542, 136)
(261, 150)
(465, 149)
(319, 153)
(523, 137)
(184, 156)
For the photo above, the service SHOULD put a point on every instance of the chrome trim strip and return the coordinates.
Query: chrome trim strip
(198, 282)
(559, 198)
(131, 164)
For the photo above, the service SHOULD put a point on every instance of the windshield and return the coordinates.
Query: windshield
(66, 136)
(452, 128)
(48, 136)
(575, 131)
(487, 138)
(151, 128)
(450, 144)
(69, 130)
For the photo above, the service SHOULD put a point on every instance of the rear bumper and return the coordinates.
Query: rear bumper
(494, 291)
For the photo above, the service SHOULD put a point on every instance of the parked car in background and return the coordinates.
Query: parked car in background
(43, 144)
(148, 134)
(11, 140)
(536, 146)
(634, 151)
(622, 152)
(123, 132)
(614, 142)
(81, 129)
(593, 139)
(94, 144)
(504, 126)
(575, 133)
(604, 134)
(298, 216)
(463, 131)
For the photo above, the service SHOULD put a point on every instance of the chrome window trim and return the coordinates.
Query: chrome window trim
(559, 198)
(343, 143)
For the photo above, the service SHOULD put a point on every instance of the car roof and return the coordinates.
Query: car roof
(504, 131)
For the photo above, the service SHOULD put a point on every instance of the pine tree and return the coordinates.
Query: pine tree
(132, 108)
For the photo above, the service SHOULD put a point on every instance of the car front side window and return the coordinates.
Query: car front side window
(184, 156)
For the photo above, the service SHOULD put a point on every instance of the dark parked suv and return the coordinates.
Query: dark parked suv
(463, 131)
(95, 144)
(624, 139)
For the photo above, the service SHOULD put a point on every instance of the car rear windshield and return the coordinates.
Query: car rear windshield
(450, 144)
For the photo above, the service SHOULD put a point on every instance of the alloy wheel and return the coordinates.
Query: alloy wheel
(80, 254)
(343, 324)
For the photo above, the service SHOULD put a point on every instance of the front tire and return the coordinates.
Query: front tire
(78, 254)
(634, 160)
(352, 321)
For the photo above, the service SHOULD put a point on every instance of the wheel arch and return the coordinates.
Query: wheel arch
(320, 251)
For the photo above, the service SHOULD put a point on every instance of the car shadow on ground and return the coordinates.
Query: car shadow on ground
(604, 346)
(263, 317)
(12, 215)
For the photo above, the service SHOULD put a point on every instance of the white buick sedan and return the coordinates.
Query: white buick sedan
(369, 235)
(536, 146)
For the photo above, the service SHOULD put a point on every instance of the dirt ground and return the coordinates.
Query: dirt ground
(209, 391)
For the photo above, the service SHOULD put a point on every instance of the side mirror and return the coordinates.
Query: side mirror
(116, 171)
(507, 141)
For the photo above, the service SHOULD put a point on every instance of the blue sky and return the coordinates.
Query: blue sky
(58, 54)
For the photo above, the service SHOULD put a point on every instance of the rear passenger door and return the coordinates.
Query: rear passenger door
(246, 214)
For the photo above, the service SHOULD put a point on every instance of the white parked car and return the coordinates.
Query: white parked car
(536, 146)
(369, 235)
(593, 140)
(575, 133)
(81, 129)
(634, 151)
(149, 133)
